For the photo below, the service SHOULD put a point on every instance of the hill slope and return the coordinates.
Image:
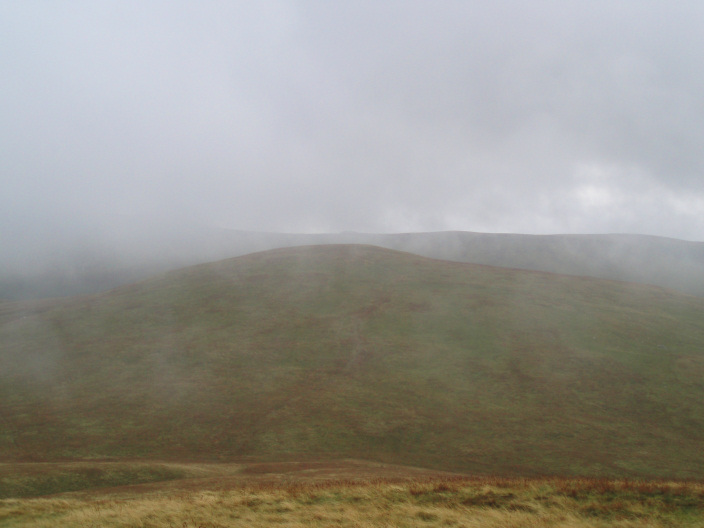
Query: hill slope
(358, 351)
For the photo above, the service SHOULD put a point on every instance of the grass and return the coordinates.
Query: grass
(347, 351)
(403, 500)
(33, 480)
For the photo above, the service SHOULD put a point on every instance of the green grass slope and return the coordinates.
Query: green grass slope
(357, 351)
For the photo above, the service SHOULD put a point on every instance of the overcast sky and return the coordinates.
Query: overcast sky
(377, 116)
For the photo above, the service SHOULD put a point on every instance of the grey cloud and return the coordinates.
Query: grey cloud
(370, 116)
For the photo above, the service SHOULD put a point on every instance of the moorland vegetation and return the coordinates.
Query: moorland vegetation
(408, 499)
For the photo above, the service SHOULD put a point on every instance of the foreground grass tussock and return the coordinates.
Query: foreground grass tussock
(459, 502)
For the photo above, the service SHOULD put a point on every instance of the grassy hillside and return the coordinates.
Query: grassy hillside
(357, 351)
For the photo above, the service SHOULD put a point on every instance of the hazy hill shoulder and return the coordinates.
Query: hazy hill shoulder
(671, 263)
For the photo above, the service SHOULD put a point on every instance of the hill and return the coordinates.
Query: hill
(91, 259)
(362, 352)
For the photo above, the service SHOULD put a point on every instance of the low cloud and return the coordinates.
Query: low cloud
(529, 117)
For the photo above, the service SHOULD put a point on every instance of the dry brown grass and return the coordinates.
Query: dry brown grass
(432, 501)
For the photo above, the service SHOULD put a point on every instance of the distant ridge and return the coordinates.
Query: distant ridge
(361, 352)
(64, 266)
(666, 262)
